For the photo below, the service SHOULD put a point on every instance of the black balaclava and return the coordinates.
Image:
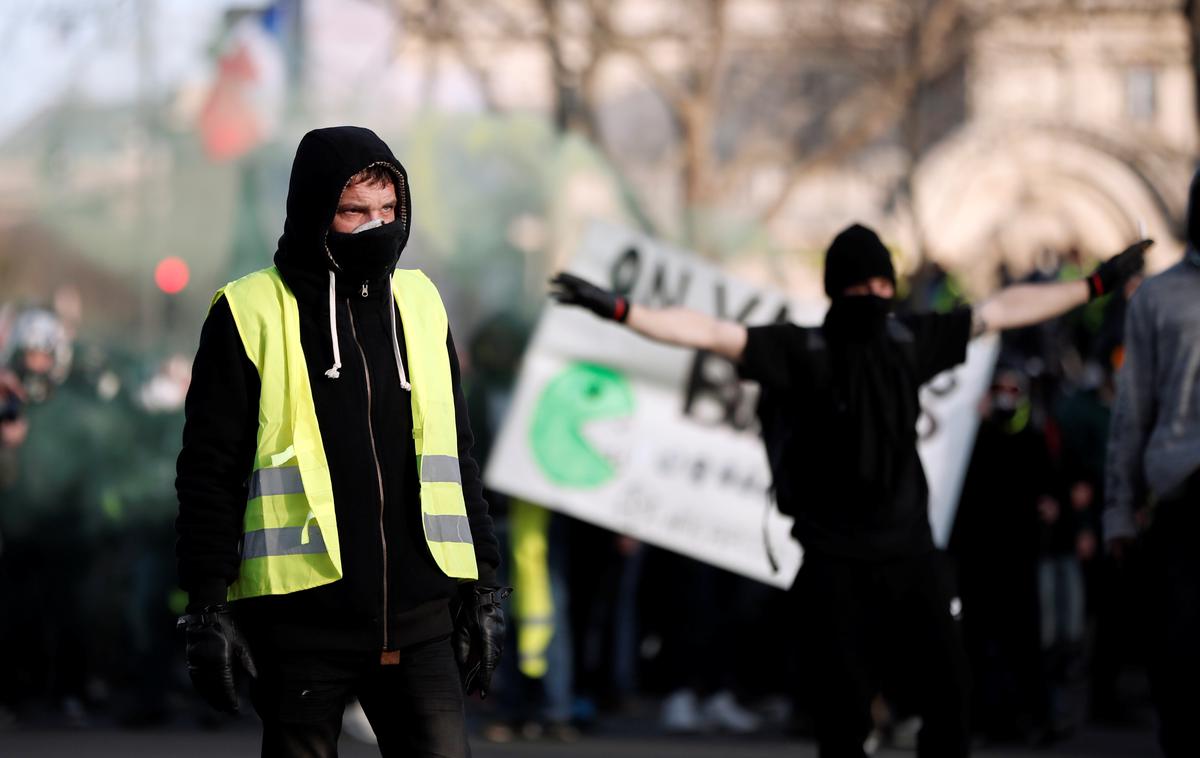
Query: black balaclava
(1193, 222)
(877, 418)
(325, 161)
(361, 256)
(855, 256)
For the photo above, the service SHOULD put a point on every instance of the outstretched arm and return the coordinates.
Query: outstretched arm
(689, 328)
(674, 326)
(1027, 304)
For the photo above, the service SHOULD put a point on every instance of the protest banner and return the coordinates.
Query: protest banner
(661, 443)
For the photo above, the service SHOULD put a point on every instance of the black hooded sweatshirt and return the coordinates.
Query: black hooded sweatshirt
(392, 593)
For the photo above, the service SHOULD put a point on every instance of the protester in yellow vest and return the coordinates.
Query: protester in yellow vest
(333, 536)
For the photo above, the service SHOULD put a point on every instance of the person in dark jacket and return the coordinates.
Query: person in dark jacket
(364, 601)
(1152, 488)
(839, 414)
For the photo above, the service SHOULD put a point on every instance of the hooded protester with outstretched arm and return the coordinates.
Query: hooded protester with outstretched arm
(838, 413)
(332, 533)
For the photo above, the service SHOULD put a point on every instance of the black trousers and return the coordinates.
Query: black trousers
(1173, 574)
(872, 627)
(416, 707)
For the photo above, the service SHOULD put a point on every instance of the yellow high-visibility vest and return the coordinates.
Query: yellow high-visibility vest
(289, 534)
(529, 535)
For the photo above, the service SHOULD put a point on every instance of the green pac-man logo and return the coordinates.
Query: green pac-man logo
(580, 394)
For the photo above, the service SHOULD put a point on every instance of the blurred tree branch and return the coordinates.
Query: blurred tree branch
(805, 90)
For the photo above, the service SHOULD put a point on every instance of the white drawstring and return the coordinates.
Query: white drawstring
(396, 340)
(333, 372)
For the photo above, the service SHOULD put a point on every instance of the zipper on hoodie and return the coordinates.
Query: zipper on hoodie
(364, 289)
(378, 470)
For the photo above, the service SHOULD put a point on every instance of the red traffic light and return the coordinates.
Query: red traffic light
(171, 275)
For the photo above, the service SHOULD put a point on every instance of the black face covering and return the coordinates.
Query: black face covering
(367, 255)
(857, 318)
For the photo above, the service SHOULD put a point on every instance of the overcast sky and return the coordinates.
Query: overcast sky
(89, 49)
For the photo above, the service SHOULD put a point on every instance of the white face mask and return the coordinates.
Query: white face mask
(368, 225)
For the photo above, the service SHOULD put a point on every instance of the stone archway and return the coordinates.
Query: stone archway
(1009, 192)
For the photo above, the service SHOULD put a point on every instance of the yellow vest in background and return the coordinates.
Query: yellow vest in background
(290, 536)
(529, 536)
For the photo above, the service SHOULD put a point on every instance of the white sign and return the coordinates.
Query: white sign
(661, 443)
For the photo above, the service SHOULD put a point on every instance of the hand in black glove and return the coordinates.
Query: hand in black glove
(1112, 274)
(215, 648)
(569, 289)
(479, 636)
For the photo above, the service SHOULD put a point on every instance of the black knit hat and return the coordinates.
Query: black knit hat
(854, 256)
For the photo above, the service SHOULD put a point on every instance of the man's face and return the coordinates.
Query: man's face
(878, 286)
(37, 362)
(362, 202)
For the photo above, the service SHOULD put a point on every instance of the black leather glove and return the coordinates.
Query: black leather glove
(1112, 274)
(569, 289)
(479, 636)
(215, 649)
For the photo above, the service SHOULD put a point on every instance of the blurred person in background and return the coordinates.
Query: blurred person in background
(534, 687)
(13, 426)
(48, 519)
(839, 412)
(995, 546)
(13, 429)
(38, 352)
(706, 608)
(539, 695)
(1154, 455)
(1078, 423)
(606, 578)
(1114, 599)
(333, 538)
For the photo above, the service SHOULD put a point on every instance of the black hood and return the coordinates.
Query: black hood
(325, 161)
(856, 255)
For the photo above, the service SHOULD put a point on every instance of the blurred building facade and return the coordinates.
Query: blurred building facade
(968, 131)
(1081, 124)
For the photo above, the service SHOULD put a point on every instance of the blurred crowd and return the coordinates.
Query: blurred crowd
(88, 439)
(602, 626)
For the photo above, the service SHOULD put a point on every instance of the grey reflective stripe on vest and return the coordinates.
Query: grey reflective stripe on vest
(448, 529)
(536, 621)
(287, 540)
(276, 481)
(440, 468)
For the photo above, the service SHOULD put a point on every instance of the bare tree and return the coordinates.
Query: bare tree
(802, 87)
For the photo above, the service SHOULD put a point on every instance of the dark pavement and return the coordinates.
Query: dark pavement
(242, 740)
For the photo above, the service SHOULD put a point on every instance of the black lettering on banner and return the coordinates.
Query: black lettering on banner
(658, 288)
(750, 306)
(941, 386)
(714, 394)
(927, 425)
(724, 311)
(625, 271)
(637, 506)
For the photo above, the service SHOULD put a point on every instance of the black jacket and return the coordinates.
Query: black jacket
(365, 418)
